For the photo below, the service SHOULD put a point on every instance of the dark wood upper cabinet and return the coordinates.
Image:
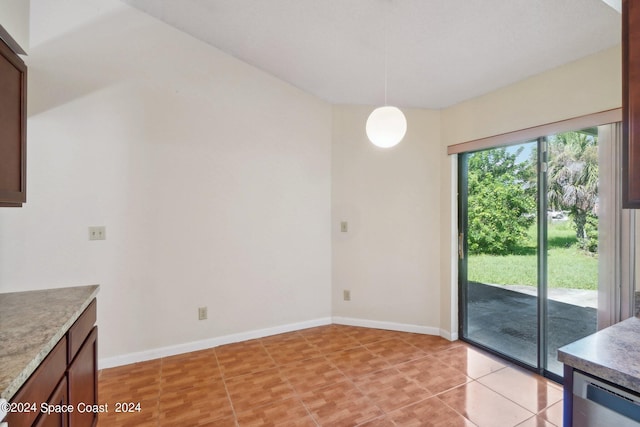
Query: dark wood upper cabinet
(631, 103)
(13, 126)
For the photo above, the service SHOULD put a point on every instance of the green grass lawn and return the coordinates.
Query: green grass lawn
(568, 266)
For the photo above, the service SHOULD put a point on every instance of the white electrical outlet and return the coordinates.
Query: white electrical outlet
(344, 226)
(202, 313)
(346, 295)
(98, 233)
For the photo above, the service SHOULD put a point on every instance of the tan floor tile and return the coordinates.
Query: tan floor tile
(204, 403)
(429, 412)
(180, 373)
(223, 422)
(341, 404)
(286, 413)
(472, 362)
(430, 343)
(329, 339)
(193, 415)
(395, 350)
(206, 357)
(526, 389)
(390, 389)
(378, 422)
(143, 371)
(290, 348)
(433, 375)
(484, 406)
(243, 358)
(333, 375)
(370, 335)
(312, 374)
(260, 388)
(280, 338)
(536, 421)
(138, 382)
(145, 419)
(357, 361)
(553, 414)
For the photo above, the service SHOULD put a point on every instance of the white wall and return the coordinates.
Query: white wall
(389, 259)
(212, 178)
(14, 17)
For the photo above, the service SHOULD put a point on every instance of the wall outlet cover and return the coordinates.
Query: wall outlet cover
(98, 232)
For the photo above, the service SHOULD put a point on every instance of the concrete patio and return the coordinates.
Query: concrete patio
(505, 318)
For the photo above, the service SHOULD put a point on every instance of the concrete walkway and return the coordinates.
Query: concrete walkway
(578, 297)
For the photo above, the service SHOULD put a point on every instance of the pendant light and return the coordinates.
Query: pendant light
(386, 126)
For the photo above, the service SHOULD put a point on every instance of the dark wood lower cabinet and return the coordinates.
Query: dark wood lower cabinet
(39, 388)
(66, 383)
(59, 399)
(83, 383)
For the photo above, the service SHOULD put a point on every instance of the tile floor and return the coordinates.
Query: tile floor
(331, 376)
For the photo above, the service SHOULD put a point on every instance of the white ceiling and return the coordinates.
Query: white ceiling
(440, 52)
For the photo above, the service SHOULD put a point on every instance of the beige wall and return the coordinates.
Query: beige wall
(586, 86)
(389, 259)
(14, 17)
(212, 178)
(582, 87)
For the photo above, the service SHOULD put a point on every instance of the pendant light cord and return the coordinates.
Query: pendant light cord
(386, 49)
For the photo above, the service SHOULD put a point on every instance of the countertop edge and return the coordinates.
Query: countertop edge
(597, 370)
(21, 378)
(605, 354)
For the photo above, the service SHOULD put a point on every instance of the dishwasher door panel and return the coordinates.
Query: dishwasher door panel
(589, 414)
(598, 404)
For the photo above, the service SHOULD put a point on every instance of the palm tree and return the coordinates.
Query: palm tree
(573, 175)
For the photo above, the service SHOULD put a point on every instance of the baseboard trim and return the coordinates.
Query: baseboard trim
(451, 336)
(392, 326)
(156, 353)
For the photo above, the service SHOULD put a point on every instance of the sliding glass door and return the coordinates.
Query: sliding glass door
(571, 182)
(528, 254)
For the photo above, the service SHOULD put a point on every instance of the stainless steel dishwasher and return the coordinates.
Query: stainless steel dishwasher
(599, 404)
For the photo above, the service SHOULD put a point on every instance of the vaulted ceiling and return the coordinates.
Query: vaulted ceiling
(439, 52)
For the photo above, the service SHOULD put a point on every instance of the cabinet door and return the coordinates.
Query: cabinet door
(82, 376)
(631, 103)
(13, 99)
(40, 386)
(58, 399)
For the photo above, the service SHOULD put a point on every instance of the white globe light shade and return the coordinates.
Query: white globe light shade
(386, 126)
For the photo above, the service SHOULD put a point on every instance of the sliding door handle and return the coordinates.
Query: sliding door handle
(461, 245)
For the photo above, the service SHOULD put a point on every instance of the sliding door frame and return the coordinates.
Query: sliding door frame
(463, 253)
(543, 294)
(508, 139)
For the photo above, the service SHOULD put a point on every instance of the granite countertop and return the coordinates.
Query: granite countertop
(612, 354)
(31, 324)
